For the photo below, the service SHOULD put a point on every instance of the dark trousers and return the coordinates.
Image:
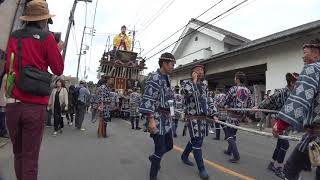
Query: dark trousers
(80, 113)
(162, 145)
(94, 115)
(57, 120)
(195, 145)
(25, 124)
(136, 120)
(231, 134)
(48, 118)
(3, 128)
(297, 162)
(125, 114)
(69, 117)
(218, 129)
(175, 126)
(280, 151)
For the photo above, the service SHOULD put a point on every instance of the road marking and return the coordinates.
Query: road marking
(218, 167)
(213, 164)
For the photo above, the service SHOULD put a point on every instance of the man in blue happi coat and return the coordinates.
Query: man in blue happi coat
(302, 112)
(156, 108)
(197, 108)
(238, 96)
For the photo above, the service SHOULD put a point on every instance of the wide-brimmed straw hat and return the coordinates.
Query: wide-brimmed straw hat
(36, 10)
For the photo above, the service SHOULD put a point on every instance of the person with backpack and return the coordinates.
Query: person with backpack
(238, 96)
(71, 103)
(81, 95)
(31, 51)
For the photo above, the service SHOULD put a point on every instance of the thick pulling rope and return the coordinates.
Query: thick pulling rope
(254, 110)
(292, 138)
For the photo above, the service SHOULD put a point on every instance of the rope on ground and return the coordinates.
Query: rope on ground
(292, 138)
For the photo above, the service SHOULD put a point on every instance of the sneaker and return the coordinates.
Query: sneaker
(48, 126)
(55, 133)
(216, 138)
(82, 129)
(70, 124)
(278, 172)
(61, 131)
(211, 132)
(271, 167)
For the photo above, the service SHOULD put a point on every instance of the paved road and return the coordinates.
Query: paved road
(123, 156)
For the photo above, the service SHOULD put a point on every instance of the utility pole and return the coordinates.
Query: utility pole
(71, 22)
(79, 59)
(133, 37)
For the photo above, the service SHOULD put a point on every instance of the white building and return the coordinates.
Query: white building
(211, 40)
(265, 61)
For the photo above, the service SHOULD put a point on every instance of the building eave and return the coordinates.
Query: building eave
(271, 40)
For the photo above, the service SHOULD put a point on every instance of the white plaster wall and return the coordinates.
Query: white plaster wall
(203, 54)
(204, 41)
(7, 11)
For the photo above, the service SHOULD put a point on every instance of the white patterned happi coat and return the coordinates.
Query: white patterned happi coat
(302, 109)
(197, 104)
(155, 99)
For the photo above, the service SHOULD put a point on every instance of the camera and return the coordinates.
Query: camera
(57, 36)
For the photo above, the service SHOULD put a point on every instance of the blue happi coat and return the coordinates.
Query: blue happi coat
(197, 104)
(237, 97)
(179, 105)
(104, 97)
(219, 100)
(155, 99)
(302, 109)
(134, 103)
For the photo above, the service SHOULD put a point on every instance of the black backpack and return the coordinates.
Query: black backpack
(75, 95)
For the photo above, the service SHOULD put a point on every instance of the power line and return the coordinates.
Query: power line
(228, 14)
(155, 14)
(142, 6)
(183, 27)
(195, 30)
(161, 10)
